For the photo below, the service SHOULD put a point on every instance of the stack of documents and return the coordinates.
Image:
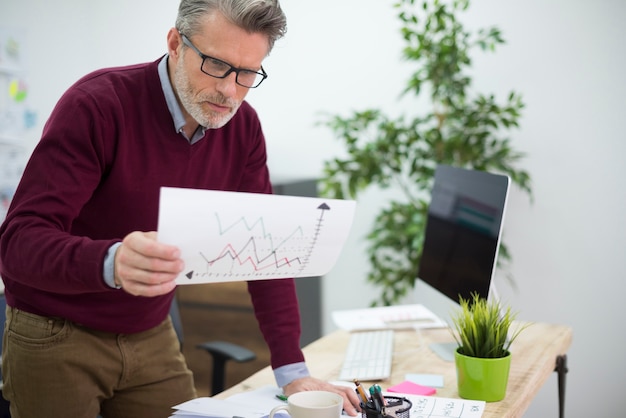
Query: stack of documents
(252, 404)
(215, 408)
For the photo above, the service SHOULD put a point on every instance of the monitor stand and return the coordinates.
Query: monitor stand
(446, 350)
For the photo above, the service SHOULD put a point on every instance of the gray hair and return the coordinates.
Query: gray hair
(254, 16)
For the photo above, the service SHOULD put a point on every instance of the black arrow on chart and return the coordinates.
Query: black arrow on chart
(323, 207)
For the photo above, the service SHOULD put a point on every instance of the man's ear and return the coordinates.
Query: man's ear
(174, 43)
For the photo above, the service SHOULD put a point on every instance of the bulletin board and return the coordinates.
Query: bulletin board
(16, 116)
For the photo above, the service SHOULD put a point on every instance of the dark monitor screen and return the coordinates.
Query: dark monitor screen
(463, 230)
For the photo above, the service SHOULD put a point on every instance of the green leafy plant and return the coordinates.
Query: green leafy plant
(482, 328)
(461, 128)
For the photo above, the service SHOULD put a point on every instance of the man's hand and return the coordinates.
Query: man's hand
(350, 399)
(146, 267)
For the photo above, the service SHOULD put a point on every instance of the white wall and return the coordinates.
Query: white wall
(567, 58)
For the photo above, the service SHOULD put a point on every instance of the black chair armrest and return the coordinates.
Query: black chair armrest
(223, 351)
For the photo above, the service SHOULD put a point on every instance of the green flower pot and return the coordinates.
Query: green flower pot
(483, 379)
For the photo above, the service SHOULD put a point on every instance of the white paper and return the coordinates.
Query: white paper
(434, 407)
(232, 236)
(387, 317)
(250, 404)
(264, 398)
(217, 408)
(183, 414)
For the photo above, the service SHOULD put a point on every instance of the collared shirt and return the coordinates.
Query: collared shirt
(174, 107)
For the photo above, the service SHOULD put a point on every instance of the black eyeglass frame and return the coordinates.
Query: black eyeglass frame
(231, 68)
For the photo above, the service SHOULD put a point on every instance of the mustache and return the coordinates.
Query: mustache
(218, 99)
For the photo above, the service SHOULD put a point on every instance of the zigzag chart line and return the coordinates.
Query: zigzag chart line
(249, 259)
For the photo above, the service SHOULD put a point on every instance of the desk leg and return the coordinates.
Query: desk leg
(561, 369)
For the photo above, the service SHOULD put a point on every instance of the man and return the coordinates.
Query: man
(88, 285)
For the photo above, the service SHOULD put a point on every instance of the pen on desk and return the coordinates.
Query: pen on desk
(360, 391)
(282, 397)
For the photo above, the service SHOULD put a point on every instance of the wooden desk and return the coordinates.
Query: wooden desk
(535, 353)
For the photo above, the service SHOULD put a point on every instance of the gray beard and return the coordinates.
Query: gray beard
(210, 120)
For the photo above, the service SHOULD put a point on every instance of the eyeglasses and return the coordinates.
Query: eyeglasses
(221, 69)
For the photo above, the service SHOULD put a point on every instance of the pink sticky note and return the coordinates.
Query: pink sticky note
(411, 388)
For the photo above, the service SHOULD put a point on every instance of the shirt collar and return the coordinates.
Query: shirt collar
(172, 103)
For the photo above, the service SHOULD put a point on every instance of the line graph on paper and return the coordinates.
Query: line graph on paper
(263, 252)
(228, 236)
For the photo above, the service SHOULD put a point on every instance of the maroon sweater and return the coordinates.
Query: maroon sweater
(108, 147)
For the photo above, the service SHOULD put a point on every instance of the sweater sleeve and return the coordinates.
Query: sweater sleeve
(276, 309)
(36, 244)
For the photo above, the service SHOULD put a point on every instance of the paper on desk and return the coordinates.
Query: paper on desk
(431, 406)
(387, 317)
(217, 408)
(249, 404)
(231, 236)
(432, 380)
(263, 398)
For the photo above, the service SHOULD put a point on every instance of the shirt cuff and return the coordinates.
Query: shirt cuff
(108, 270)
(290, 372)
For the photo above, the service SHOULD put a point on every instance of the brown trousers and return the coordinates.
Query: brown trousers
(57, 369)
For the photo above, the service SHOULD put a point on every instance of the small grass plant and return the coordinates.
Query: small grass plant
(482, 328)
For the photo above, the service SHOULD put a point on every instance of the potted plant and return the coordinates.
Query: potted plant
(482, 330)
(460, 127)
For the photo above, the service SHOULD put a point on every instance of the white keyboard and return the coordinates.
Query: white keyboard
(368, 356)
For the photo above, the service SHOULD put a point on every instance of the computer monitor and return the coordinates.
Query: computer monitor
(463, 231)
